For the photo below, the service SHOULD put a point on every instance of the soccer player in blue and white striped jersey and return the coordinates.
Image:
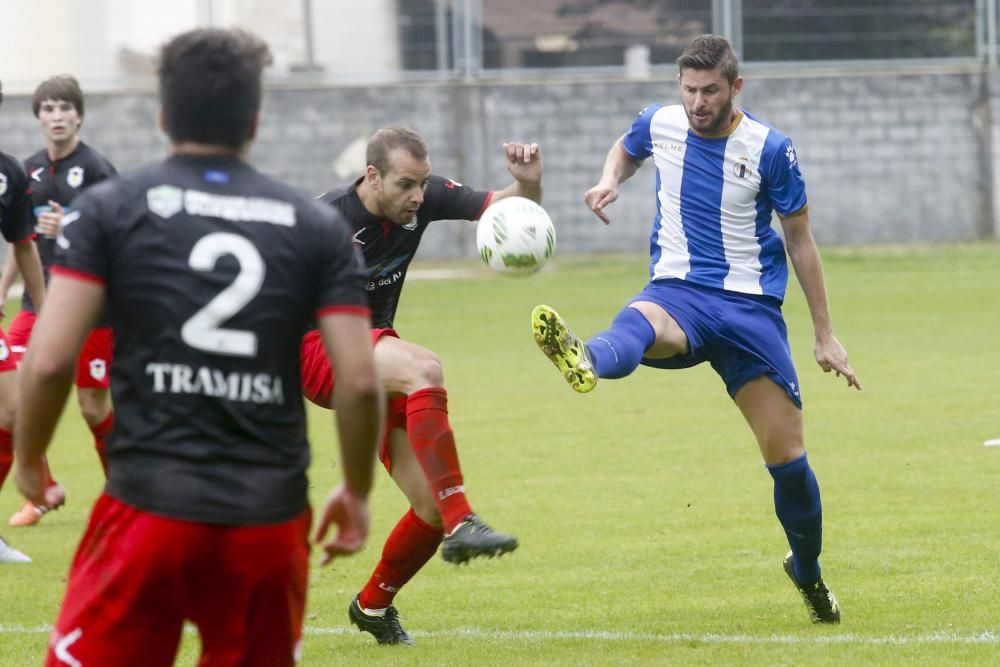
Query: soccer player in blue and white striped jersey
(717, 273)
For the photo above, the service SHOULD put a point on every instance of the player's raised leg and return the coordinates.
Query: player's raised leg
(642, 329)
(407, 368)
(777, 424)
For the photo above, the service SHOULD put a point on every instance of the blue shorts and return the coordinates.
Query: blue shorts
(742, 336)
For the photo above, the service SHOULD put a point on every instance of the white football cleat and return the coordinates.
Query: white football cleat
(9, 554)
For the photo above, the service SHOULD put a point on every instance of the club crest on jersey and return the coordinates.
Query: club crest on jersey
(98, 369)
(75, 177)
(742, 167)
(4, 350)
(165, 200)
(3, 184)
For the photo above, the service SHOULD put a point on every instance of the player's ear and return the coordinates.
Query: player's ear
(371, 175)
(161, 121)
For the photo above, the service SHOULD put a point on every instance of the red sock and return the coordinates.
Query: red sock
(434, 444)
(6, 454)
(102, 431)
(410, 545)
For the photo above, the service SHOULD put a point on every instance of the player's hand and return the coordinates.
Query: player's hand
(49, 222)
(350, 513)
(831, 356)
(598, 197)
(30, 478)
(524, 162)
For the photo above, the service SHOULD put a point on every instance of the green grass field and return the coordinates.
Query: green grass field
(644, 511)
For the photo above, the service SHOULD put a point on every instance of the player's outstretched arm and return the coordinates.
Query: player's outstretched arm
(524, 162)
(802, 250)
(618, 168)
(358, 403)
(47, 372)
(30, 265)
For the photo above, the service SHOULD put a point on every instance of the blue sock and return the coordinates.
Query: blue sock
(618, 351)
(797, 504)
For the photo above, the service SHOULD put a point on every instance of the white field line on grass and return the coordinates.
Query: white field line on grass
(985, 637)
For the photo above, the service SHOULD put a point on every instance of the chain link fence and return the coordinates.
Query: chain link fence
(111, 44)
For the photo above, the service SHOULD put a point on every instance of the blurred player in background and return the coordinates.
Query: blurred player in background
(58, 173)
(388, 210)
(211, 273)
(717, 280)
(17, 227)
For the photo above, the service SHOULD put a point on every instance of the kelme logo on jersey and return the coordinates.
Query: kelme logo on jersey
(790, 154)
(165, 200)
(3, 184)
(75, 177)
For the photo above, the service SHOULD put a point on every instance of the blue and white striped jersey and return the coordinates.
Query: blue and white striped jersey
(714, 198)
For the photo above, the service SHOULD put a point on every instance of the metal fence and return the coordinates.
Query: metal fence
(483, 38)
(112, 43)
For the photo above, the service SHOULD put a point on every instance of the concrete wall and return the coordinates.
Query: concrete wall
(890, 156)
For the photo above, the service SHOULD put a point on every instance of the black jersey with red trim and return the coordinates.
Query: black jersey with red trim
(16, 223)
(388, 247)
(213, 273)
(60, 181)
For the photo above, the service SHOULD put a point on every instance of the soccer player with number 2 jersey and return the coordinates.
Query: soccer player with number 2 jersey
(211, 273)
(717, 280)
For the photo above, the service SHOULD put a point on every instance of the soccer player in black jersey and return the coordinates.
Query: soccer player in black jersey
(16, 228)
(211, 273)
(57, 174)
(388, 210)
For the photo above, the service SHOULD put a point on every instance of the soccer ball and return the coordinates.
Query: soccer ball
(515, 236)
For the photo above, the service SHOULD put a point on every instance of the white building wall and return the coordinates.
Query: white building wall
(110, 44)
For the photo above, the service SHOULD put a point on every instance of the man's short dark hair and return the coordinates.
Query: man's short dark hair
(58, 88)
(710, 52)
(389, 139)
(210, 85)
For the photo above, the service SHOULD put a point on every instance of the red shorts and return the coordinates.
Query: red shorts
(92, 367)
(8, 362)
(137, 577)
(318, 381)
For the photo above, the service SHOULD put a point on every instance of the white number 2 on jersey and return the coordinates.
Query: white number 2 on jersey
(202, 330)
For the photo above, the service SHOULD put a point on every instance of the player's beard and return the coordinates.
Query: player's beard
(717, 123)
(390, 211)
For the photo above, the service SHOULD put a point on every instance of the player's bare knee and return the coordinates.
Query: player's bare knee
(670, 337)
(94, 405)
(427, 371)
(778, 451)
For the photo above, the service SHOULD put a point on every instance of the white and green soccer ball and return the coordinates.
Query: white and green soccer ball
(515, 236)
